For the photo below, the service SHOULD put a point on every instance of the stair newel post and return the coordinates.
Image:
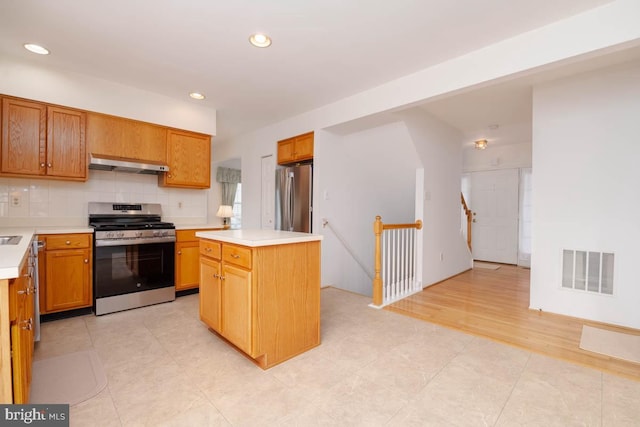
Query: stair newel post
(377, 280)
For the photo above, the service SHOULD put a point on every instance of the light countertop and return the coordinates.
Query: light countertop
(257, 237)
(197, 226)
(11, 256)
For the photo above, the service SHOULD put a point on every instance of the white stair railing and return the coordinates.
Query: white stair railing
(397, 261)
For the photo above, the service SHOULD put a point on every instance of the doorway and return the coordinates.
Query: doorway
(494, 199)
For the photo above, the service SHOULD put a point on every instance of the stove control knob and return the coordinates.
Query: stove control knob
(110, 234)
(120, 234)
(138, 233)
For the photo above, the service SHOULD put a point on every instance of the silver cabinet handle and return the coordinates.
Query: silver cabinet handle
(179, 252)
(27, 324)
(49, 165)
(86, 261)
(42, 164)
(68, 242)
(236, 256)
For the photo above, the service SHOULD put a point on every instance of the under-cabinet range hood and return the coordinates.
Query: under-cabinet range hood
(121, 164)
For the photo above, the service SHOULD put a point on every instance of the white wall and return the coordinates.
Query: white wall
(64, 203)
(503, 156)
(359, 176)
(92, 94)
(585, 189)
(439, 148)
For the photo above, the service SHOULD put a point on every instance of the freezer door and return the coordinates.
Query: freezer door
(293, 199)
(284, 201)
(302, 199)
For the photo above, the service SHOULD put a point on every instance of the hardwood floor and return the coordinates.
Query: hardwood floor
(494, 304)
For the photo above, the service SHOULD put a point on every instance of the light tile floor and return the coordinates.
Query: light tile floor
(373, 368)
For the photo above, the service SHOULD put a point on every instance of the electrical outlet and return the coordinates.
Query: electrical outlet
(16, 200)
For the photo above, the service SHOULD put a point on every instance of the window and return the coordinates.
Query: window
(236, 219)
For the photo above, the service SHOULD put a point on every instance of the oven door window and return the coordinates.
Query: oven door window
(132, 268)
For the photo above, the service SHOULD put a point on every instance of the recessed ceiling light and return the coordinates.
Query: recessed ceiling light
(260, 40)
(196, 95)
(36, 48)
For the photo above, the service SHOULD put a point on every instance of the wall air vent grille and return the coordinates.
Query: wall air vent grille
(587, 271)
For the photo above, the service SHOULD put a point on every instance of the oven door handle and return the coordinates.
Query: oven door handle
(134, 242)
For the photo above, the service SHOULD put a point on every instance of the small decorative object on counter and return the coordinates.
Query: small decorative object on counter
(225, 212)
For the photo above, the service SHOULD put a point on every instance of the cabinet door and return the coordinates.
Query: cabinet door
(286, 150)
(23, 137)
(210, 296)
(304, 147)
(66, 148)
(187, 265)
(236, 307)
(68, 279)
(22, 338)
(189, 158)
(118, 137)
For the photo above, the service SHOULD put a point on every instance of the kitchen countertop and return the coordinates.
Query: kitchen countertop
(257, 237)
(11, 256)
(197, 227)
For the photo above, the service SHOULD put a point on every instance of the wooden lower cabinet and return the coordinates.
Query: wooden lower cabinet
(210, 295)
(67, 280)
(16, 337)
(263, 300)
(236, 306)
(187, 271)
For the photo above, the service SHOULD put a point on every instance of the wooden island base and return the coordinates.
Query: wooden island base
(263, 296)
(262, 361)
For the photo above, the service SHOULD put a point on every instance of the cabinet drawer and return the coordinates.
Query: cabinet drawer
(67, 241)
(190, 235)
(186, 235)
(237, 255)
(210, 249)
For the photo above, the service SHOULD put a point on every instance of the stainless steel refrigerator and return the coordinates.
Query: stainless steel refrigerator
(294, 198)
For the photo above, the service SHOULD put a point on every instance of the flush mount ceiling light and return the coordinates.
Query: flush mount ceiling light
(196, 95)
(260, 40)
(36, 48)
(481, 144)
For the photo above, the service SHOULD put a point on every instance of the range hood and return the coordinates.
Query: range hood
(121, 164)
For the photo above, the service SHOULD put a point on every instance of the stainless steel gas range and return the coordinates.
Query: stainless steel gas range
(133, 256)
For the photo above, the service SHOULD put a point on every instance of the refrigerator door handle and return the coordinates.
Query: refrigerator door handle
(291, 183)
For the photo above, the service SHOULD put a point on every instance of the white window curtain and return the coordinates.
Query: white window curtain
(228, 179)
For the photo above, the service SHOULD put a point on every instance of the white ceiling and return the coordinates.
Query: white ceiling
(323, 50)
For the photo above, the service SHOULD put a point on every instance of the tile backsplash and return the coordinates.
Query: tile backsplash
(31, 202)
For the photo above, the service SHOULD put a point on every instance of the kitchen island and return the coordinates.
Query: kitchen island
(260, 291)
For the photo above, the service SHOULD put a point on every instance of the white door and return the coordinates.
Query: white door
(268, 196)
(494, 200)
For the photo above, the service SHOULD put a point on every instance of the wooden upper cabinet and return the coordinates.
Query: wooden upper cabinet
(66, 146)
(119, 137)
(24, 137)
(189, 159)
(296, 149)
(43, 141)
